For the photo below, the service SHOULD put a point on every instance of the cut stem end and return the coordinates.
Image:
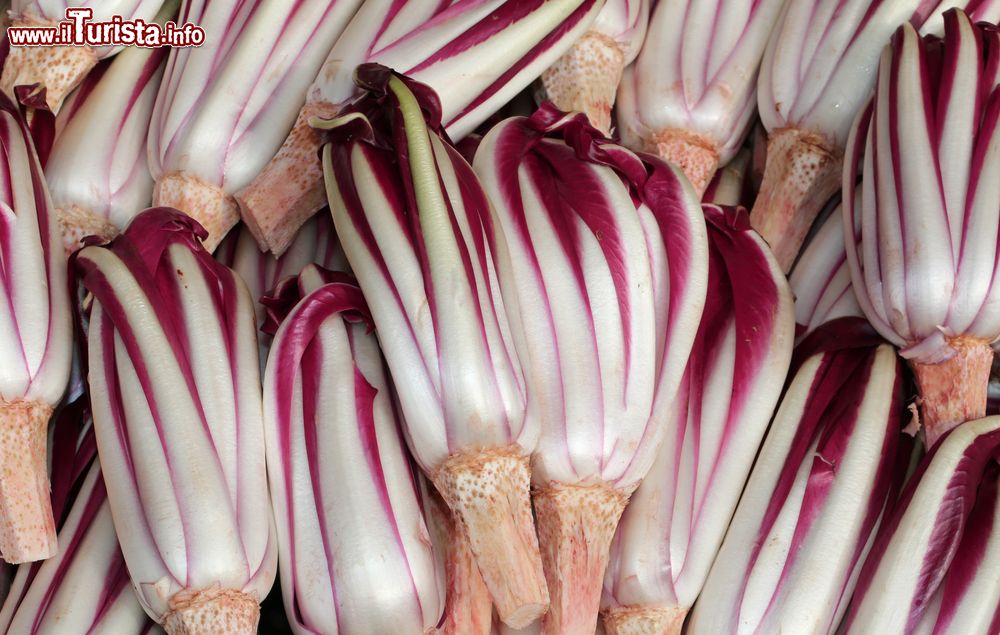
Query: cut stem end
(953, 391)
(206, 203)
(586, 78)
(42, 76)
(77, 223)
(801, 174)
(644, 620)
(695, 155)
(212, 612)
(468, 609)
(290, 189)
(489, 493)
(27, 528)
(575, 527)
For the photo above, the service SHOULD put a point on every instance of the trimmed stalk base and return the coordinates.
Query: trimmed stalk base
(468, 608)
(206, 203)
(27, 528)
(953, 391)
(290, 189)
(586, 78)
(693, 154)
(212, 612)
(641, 620)
(42, 76)
(575, 527)
(488, 491)
(801, 174)
(77, 223)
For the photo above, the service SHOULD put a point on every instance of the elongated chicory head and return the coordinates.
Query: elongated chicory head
(408, 210)
(602, 262)
(676, 519)
(175, 391)
(330, 419)
(829, 468)
(926, 213)
(35, 342)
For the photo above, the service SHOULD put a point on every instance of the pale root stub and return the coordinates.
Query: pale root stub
(586, 78)
(804, 171)
(576, 524)
(694, 154)
(469, 607)
(27, 528)
(208, 204)
(644, 620)
(212, 612)
(292, 181)
(481, 489)
(955, 390)
(55, 69)
(77, 223)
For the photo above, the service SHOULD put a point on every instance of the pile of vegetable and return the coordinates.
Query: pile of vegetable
(473, 317)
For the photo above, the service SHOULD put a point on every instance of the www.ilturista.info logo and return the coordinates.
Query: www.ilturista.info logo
(78, 30)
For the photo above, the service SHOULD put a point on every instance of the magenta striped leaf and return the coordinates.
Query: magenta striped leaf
(924, 265)
(85, 587)
(107, 121)
(937, 540)
(477, 55)
(601, 256)
(224, 108)
(175, 390)
(696, 74)
(830, 465)
(330, 419)
(315, 243)
(625, 22)
(931, 13)
(821, 278)
(967, 601)
(676, 520)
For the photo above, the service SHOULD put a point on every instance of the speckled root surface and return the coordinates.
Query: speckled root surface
(586, 78)
(206, 203)
(575, 527)
(643, 620)
(290, 189)
(801, 174)
(953, 391)
(212, 612)
(488, 491)
(695, 155)
(42, 76)
(77, 223)
(468, 607)
(27, 529)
